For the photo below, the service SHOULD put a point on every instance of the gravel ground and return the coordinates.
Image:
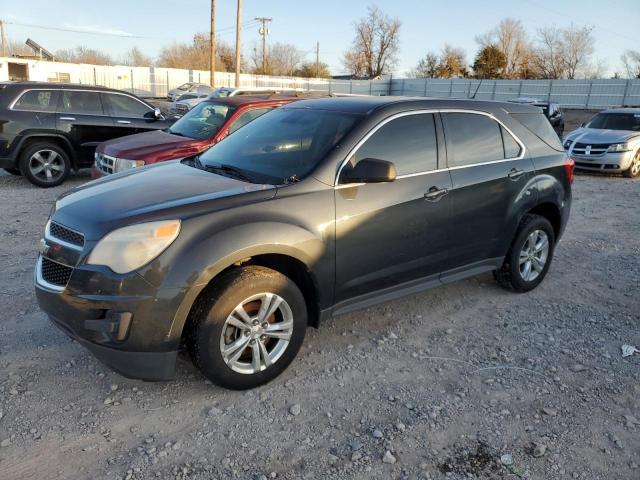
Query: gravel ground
(464, 381)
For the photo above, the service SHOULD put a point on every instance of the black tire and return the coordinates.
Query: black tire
(509, 275)
(59, 170)
(13, 171)
(634, 169)
(206, 324)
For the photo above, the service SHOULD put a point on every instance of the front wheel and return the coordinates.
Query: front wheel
(529, 256)
(247, 328)
(634, 169)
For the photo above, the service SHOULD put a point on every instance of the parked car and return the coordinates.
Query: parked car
(189, 87)
(205, 125)
(186, 102)
(232, 92)
(317, 208)
(49, 129)
(609, 142)
(552, 111)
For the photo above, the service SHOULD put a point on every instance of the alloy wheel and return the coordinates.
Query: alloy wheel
(256, 333)
(533, 255)
(635, 165)
(46, 165)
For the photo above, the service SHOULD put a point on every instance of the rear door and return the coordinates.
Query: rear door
(128, 114)
(491, 175)
(82, 118)
(392, 233)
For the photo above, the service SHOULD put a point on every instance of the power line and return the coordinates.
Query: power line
(86, 32)
(264, 31)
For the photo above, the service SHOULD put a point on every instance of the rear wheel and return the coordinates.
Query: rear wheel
(45, 164)
(248, 328)
(634, 169)
(13, 171)
(529, 257)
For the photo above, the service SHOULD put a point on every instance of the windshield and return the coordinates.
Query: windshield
(616, 121)
(185, 86)
(281, 146)
(220, 93)
(202, 121)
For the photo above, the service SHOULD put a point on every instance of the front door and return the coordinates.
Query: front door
(130, 115)
(392, 233)
(82, 119)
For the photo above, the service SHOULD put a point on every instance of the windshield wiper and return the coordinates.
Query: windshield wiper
(221, 167)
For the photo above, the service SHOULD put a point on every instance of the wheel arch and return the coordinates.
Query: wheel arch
(59, 140)
(551, 212)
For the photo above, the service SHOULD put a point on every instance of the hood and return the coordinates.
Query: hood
(596, 135)
(164, 191)
(152, 146)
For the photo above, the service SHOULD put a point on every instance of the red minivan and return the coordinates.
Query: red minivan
(203, 126)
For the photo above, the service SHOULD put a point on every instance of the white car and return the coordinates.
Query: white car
(189, 87)
(232, 92)
(186, 102)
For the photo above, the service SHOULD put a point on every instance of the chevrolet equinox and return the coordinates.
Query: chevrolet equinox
(315, 209)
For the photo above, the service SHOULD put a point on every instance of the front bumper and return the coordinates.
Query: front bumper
(607, 163)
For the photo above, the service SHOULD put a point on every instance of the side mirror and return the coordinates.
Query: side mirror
(582, 125)
(154, 114)
(370, 170)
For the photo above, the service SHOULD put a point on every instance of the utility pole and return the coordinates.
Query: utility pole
(238, 48)
(212, 45)
(4, 39)
(317, 58)
(264, 31)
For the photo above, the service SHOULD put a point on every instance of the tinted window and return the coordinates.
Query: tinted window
(87, 103)
(38, 101)
(538, 124)
(409, 142)
(247, 117)
(281, 144)
(472, 138)
(511, 147)
(124, 106)
(202, 121)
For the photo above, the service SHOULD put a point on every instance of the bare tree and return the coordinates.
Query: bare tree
(452, 63)
(196, 55)
(511, 39)
(577, 48)
(83, 54)
(427, 66)
(375, 47)
(631, 61)
(135, 58)
(548, 54)
(311, 70)
(20, 49)
(282, 59)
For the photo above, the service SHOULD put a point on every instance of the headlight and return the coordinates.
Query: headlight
(129, 248)
(619, 147)
(121, 164)
(567, 144)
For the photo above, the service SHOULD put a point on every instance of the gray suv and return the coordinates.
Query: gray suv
(317, 208)
(609, 142)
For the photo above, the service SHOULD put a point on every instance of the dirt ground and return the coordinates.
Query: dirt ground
(464, 381)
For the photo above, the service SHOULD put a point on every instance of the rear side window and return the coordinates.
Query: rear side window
(247, 117)
(538, 124)
(409, 142)
(125, 106)
(472, 138)
(86, 103)
(37, 101)
(511, 147)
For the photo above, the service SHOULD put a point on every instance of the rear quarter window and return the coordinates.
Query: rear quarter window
(538, 124)
(37, 101)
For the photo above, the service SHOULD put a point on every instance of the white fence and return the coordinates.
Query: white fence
(156, 82)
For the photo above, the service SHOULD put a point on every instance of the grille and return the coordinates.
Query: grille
(182, 108)
(593, 149)
(55, 273)
(65, 234)
(105, 163)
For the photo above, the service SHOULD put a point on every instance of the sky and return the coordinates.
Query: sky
(426, 25)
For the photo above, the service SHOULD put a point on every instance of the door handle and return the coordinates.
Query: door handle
(70, 119)
(515, 173)
(124, 122)
(435, 194)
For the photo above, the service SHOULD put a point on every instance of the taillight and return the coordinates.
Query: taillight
(569, 166)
